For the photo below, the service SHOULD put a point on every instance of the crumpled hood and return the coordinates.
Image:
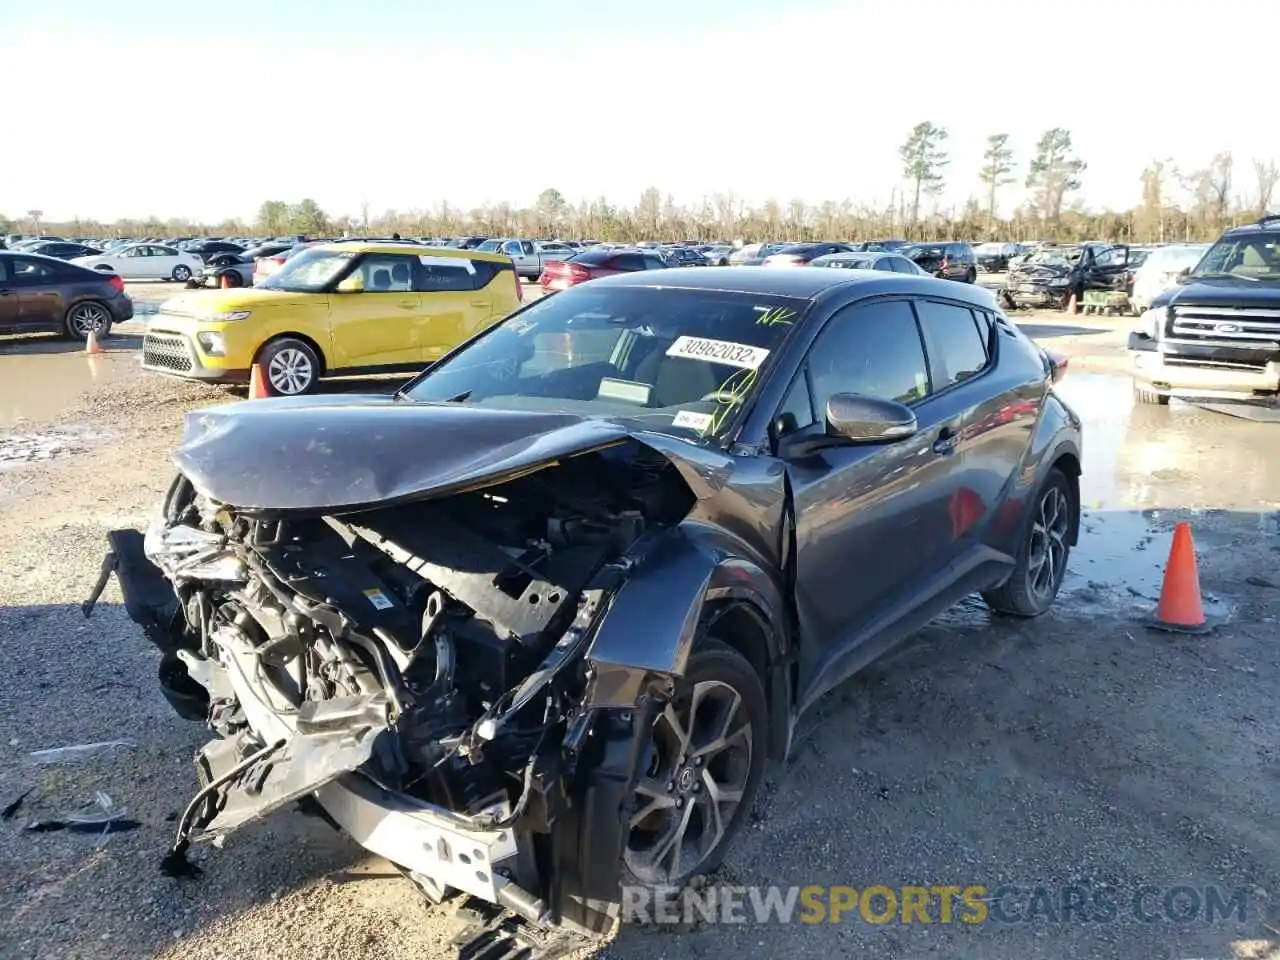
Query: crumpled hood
(1037, 271)
(338, 454)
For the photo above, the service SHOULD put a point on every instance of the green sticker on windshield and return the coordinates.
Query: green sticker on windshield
(775, 317)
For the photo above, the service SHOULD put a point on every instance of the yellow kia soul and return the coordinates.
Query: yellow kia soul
(334, 309)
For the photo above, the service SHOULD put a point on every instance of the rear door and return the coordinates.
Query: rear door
(383, 324)
(457, 301)
(984, 453)
(162, 261)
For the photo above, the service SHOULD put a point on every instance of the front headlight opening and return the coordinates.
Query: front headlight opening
(231, 315)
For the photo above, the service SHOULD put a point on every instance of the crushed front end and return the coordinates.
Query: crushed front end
(420, 671)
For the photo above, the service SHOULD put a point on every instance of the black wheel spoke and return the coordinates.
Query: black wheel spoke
(695, 783)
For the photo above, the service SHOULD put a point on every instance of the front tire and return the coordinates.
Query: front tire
(181, 273)
(290, 367)
(971, 276)
(708, 754)
(1041, 562)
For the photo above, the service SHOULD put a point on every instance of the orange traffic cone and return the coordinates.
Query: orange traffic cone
(1181, 608)
(91, 344)
(258, 383)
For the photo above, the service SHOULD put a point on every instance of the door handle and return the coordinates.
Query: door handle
(946, 442)
(407, 304)
(479, 303)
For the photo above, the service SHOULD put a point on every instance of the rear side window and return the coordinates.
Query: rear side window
(957, 350)
(593, 258)
(436, 274)
(31, 271)
(628, 261)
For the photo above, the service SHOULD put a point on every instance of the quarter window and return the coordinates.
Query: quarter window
(957, 351)
(31, 271)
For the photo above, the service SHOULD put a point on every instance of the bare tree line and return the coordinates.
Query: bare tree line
(1173, 205)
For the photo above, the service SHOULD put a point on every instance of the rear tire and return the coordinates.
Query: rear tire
(708, 780)
(290, 367)
(971, 276)
(1145, 395)
(181, 273)
(85, 316)
(1042, 557)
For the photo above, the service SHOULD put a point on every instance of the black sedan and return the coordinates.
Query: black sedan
(62, 249)
(555, 603)
(40, 293)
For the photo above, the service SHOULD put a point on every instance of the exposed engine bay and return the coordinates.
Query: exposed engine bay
(416, 672)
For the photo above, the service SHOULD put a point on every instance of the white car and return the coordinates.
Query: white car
(1160, 271)
(146, 261)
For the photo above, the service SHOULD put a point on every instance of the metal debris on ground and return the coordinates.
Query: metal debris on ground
(13, 805)
(493, 933)
(79, 752)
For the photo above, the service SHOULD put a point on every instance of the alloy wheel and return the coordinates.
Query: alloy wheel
(87, 317)
(181, 274)
(1048, 556)
(694, 785)
(290, 371)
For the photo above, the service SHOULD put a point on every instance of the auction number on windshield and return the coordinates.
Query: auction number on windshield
(732, 354)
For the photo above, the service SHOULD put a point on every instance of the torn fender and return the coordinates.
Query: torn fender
(652, 622)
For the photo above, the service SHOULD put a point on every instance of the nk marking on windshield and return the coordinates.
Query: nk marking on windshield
(718, 351)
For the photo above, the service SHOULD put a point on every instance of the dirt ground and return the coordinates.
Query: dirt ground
(1078, 751)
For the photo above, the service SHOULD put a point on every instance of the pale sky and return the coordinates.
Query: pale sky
(132, 108)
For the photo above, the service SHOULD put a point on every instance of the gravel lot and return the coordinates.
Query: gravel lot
(1077, 749)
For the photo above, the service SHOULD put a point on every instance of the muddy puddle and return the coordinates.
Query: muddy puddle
(1147, 468)
(41, 380)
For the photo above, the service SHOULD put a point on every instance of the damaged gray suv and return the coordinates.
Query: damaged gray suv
(531, 628)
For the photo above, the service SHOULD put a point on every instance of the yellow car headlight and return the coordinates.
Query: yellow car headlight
(231, 315)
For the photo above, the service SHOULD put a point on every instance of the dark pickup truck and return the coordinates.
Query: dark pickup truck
(1216, 334)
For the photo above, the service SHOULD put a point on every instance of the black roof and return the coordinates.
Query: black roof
(1270, 222)
(804, 283)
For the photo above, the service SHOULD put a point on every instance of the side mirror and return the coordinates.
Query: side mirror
(352, 284)
(1184, 275)
(855, 418)
(851, 418)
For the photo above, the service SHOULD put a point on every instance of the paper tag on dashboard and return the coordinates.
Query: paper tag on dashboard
(731, 354)
(379, 599)
(692, 419)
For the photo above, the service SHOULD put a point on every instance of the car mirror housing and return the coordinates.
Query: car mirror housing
(851, 418)
(352, 284)
(856, 418)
